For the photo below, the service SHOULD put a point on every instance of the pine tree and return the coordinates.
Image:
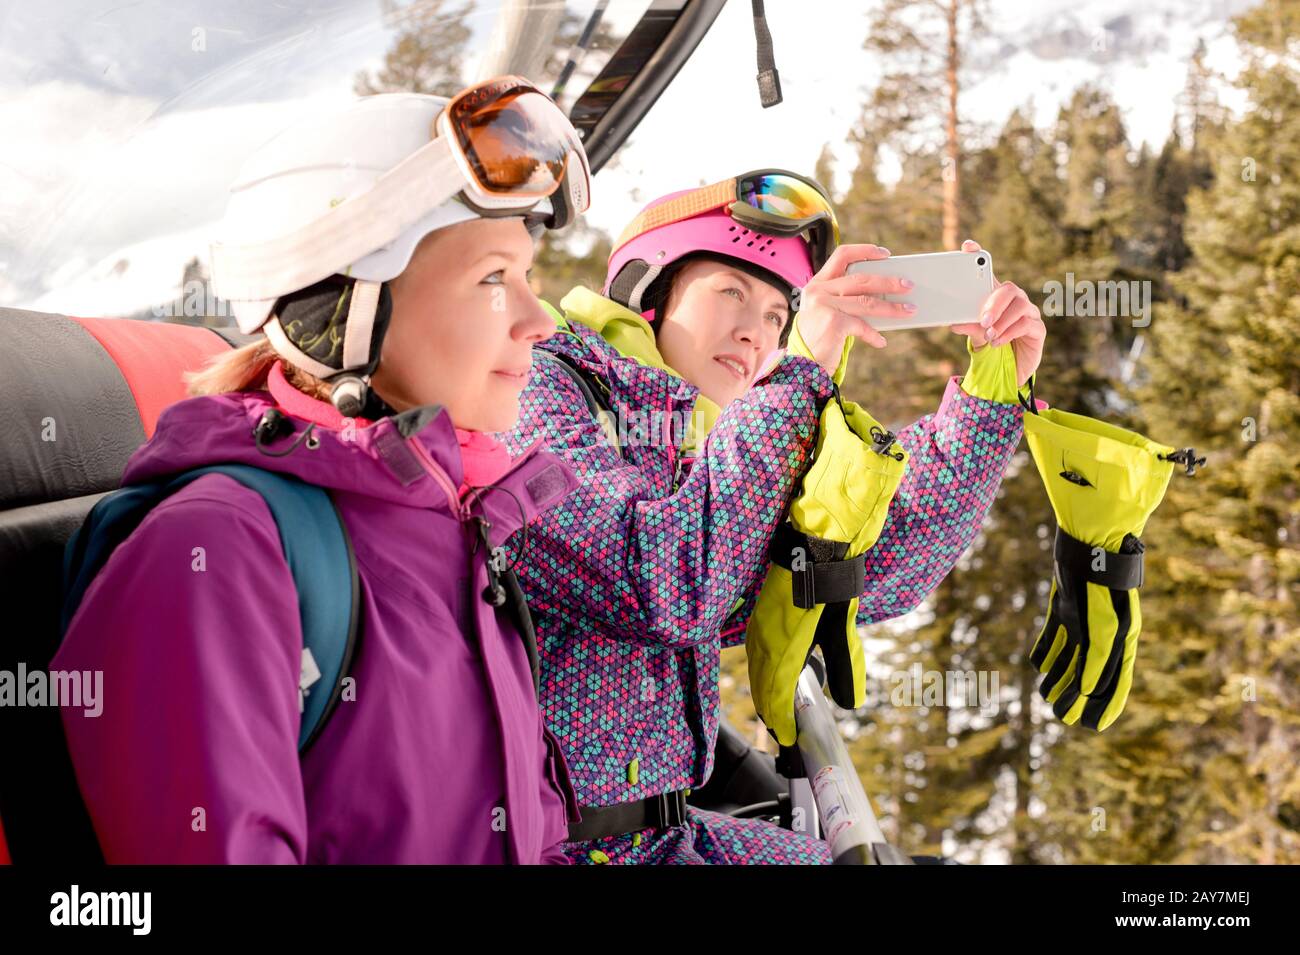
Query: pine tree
(575, 256)
(824, 169)
(1201, 766)
(921, 47)
(1227, 370)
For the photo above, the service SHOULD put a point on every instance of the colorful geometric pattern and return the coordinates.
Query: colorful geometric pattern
(708, 838)
(958, 457)
(629, 583)
(635, 577)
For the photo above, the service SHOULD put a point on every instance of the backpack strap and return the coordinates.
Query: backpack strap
(594, 391)
(316, 547)
(517, 604)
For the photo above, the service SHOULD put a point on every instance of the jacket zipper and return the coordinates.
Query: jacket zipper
(435, 470)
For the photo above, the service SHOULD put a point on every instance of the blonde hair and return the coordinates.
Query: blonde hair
(246, 369)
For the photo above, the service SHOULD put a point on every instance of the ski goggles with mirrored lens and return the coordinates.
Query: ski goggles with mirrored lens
(769, 201)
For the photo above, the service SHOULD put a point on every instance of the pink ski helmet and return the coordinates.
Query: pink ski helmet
(775, 225)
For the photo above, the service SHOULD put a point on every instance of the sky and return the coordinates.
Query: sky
(125, 122)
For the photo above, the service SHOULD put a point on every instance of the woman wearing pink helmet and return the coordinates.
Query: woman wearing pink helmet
(656, 562)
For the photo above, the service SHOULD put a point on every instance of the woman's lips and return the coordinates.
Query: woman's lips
(517, 376)
(734, 366)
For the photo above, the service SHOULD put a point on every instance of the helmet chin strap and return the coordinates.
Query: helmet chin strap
(351, 392)
(348, 393)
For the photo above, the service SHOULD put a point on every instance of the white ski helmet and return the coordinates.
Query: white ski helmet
(343, 198)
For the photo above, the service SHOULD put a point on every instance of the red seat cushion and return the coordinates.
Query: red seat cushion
(152, 356)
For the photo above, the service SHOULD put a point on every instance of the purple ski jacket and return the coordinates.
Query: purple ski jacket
(441, 755)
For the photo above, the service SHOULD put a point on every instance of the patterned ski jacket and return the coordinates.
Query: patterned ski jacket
(643, 574)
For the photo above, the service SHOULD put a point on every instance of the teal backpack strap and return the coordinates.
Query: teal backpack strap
(316, 548)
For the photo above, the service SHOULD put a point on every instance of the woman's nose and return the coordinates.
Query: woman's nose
(535, 323)
(748, 329)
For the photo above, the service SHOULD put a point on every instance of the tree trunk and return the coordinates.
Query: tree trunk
(951, 149)
(1020, 844)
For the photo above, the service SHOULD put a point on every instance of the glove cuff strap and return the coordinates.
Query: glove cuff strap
(823, 575)
(1119, 571)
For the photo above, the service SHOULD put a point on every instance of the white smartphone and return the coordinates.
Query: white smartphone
(949, 287)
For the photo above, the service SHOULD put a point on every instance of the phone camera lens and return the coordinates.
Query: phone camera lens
(980, 261)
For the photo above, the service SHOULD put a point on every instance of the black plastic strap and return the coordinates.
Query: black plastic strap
(789, 762)
(1032, 403)
(769, 80)
(664, 811)
(826, 576)
(1187, 458)
(1120, 571)
(517, 604)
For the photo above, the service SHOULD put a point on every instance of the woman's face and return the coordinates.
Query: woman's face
(463, 326)
(719, 326)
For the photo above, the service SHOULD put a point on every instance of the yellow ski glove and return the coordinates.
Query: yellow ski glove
(1104, 483)
(810, 596)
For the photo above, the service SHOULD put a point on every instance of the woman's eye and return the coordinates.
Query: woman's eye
(496, 278)
(734, 292)
(775, 319)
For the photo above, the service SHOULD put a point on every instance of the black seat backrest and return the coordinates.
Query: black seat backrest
(80, 396)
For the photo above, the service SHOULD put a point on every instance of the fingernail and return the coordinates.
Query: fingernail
(909, 307)
(881, 248)
(908, 283)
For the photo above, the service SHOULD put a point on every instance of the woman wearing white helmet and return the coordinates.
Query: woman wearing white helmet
(381, 249)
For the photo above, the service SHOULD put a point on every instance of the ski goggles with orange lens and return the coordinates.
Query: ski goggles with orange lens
(515, 147)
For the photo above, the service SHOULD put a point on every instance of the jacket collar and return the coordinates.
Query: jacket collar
(300, 405)
(630, 336)
(536, 480)
(483, 460)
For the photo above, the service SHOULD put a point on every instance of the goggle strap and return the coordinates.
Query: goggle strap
(694, 203)
(422, 181)
(706, 199)
(342, 235)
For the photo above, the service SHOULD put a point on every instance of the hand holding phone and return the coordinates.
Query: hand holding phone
(834, 306)
(948, 288)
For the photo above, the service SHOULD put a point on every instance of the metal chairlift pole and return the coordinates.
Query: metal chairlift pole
(847, 821)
